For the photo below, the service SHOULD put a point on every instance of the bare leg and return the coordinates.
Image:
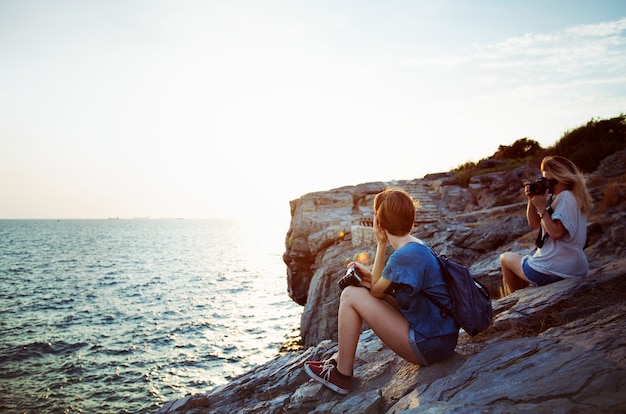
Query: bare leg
(357, 305)
(512, 274)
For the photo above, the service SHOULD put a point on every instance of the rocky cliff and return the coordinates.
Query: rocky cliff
(559, 348)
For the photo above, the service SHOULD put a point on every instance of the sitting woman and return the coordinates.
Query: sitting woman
(562, 218)
(409, 324)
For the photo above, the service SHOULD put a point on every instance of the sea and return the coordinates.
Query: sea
(122, 316)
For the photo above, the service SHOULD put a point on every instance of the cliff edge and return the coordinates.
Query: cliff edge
(559, 348)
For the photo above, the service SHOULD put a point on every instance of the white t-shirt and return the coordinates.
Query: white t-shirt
(565, 257)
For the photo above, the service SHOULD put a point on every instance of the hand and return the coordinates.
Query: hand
(539, 201)
(364, 272)
(379, 232)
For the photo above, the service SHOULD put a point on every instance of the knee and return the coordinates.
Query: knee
(352, 293)
(504, 258)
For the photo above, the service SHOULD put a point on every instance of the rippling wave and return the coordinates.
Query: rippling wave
(124, 315)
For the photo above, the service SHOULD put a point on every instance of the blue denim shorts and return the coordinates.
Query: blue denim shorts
(431, 350)
(537, 278)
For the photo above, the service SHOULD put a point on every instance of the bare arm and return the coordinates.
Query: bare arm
(379, 284)
(531, 215)
(536, 212)
(373, 279)
(555, 228)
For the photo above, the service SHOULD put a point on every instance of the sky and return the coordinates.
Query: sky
(231, 109)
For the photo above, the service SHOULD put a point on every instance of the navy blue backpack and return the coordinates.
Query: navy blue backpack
(471, 302)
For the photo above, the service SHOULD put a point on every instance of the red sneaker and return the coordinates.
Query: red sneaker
(326, 372)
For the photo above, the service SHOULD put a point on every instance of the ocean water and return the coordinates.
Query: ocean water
(113, 316)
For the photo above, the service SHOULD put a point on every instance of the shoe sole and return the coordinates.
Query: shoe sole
(321, 380)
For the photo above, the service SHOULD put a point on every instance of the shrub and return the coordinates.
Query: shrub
(586, 146)
(589, 144)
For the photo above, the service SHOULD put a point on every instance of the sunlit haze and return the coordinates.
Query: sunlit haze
(228, 109)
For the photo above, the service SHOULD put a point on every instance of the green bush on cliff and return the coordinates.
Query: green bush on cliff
(589, 144)
(586, 146)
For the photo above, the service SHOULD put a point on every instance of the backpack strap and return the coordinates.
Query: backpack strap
(445, 311)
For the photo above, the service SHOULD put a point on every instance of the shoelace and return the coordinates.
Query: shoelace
(327, 369)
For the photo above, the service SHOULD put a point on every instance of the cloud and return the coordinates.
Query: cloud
(586, 49)
(603, 29)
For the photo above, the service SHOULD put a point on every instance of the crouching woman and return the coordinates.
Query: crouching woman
(562, 218)
(407, 322)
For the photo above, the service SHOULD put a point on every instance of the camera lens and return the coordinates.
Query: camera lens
(539, 187)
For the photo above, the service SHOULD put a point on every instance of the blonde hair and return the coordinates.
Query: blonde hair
(566, 172)
(395, 211)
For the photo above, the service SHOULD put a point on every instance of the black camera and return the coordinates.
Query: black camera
(540, 186)
(351, 278)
